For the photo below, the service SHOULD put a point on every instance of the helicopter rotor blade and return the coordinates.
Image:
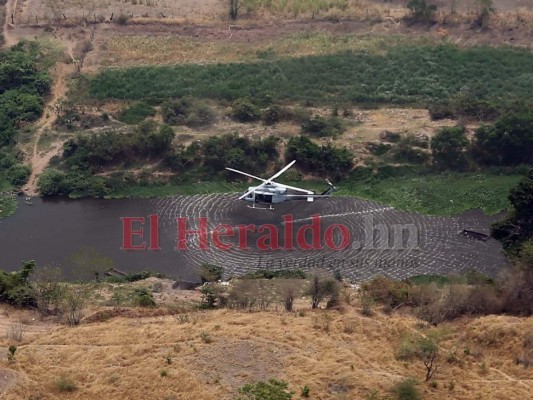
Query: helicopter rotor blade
(245, 174)
(265, 182)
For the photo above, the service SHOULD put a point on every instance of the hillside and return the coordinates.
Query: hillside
(339, 354)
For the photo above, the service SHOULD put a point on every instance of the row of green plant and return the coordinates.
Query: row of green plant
(403, 74)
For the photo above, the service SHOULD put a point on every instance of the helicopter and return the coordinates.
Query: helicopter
(270, 192)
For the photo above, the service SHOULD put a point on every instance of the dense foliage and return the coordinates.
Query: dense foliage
(15, 287)
(402, 75)
(22, 85)
(518, 229)
(448, 147)
(321, 160)
(508, 142)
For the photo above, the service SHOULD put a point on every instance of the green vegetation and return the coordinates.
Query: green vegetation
(272, 390)
(508, 142)
(211, 273)
(8, 204)
(406, 389)
(187, 111)
(276, 274)
(23, 83)
(405, 74)
(436, 194)
(448, 147)
(321, 160)
(136, 113)
(15, 287)
(517, 231)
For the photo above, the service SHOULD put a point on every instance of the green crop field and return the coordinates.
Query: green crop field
(402, 74)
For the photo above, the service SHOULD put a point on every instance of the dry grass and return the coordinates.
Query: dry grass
(338, 354)
(160, 49)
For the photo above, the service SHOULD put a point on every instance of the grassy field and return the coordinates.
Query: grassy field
(403, 75)
(445, 194)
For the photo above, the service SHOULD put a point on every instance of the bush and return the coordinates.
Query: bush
(321, 288)
(273, 115)
(272, 390)
(508, 142)
(15, 287)
(136, 113)
(65, 384)
(187, 111)
(448, 148)
(244, 110)
(326, 159)
(322, 127)
(18, 174)
(209, 296)
(273, 274)
(421, 10)
(406, 389)
(211, 273)
(143, 298)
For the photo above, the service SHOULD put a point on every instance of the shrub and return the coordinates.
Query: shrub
(273, 115)
(187, 111)
(421, 10)
(143, 298)
(448, 148)
(18, 174)
(136, 113)
(64, 384)
(326, 159)
(209, 296)
(244, 110)
(15, 287)
(508, 142)
(406, 389)
(272, 390)
(320, 288)
(211, 273)
(322, 127)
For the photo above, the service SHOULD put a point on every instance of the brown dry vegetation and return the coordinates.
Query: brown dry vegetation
(339, 354)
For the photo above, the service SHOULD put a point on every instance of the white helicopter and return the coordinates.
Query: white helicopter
(270, 192)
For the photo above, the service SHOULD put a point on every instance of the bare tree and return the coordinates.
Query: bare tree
(321, 288)
(47, 289)
(74, 303)
(288, 289)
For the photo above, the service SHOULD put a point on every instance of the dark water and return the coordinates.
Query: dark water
(53, 230)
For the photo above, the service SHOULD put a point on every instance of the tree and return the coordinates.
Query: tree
(508, 142)
(519, 227)
(448, 148)
(421, 10)
(234, 8)
(427, 351)
(47, 289)
(74, 303)
(484, 11)
(15, 288)
(288, 290)
(320, 288)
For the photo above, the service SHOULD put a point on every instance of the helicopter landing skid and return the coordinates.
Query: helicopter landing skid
(270, 208)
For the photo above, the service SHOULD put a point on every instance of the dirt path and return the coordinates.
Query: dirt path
(39, 160)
